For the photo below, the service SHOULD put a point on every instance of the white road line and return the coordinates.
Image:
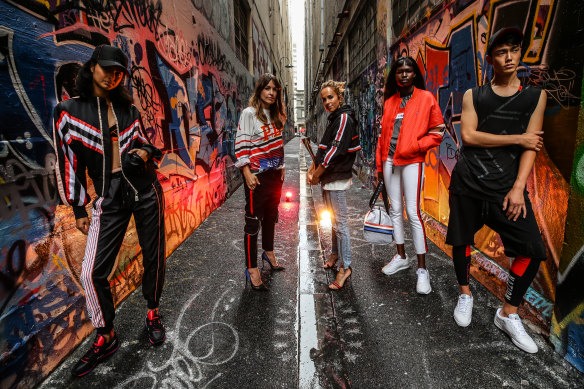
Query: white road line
(305, 312)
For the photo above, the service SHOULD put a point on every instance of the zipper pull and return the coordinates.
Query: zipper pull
(136, 195)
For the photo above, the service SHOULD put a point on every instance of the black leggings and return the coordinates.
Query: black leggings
(522, 272)
(261, 210)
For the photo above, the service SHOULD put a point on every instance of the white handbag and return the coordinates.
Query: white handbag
(377, 226)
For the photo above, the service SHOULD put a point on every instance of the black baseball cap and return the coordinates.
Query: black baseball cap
(106, 55)
(500, 33)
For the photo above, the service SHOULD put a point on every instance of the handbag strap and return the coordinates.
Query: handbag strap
(379, 189)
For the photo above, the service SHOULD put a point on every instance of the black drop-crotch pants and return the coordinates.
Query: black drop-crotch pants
(110, 217)
(261, 210)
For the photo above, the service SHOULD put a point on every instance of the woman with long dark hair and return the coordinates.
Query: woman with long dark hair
(332, 168)
(259, 148)
(100, 133)
(412, 124)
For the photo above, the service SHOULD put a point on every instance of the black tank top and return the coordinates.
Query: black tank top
(489, 173)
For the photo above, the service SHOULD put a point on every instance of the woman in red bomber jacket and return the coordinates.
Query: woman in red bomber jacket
(411, 125)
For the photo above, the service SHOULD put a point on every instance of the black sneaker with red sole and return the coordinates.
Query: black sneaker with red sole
(156, 331)
(97, 353)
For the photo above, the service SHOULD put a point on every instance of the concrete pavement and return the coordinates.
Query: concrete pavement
(375, 332)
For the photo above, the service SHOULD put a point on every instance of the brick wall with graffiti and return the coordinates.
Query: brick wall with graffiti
(190, 88)
(567, 332)
(449, 45)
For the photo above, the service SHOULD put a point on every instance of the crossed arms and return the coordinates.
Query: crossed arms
(531, 141)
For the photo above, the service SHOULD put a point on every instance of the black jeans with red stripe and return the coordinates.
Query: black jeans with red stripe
(261, 210)
(110, 217)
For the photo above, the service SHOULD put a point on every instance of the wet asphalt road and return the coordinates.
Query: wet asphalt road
(375, 332)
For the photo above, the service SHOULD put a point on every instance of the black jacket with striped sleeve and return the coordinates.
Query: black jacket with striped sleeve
(83, 144)
(339, 145)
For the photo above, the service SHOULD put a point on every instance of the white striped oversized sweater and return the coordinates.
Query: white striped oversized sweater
(258, 145)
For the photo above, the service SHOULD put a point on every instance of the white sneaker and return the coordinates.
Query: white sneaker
(396, 264)
(463, 310)
(513, 327)
(423, 285)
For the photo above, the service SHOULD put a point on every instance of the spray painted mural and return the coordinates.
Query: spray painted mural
(449, 45)
(365, 95)
(189, 87)
(568, 320)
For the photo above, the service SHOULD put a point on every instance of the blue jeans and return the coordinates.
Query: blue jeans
(336, 202)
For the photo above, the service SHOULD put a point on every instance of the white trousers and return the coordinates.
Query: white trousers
(401, 182)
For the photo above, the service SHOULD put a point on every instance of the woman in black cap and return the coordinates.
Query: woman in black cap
(100, 132)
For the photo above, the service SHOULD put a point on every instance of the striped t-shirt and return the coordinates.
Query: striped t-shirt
(257, 144)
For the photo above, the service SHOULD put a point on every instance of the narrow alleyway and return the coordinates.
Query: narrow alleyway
(376, 332)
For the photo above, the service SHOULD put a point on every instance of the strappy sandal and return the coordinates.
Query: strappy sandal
(329, 265)
(338, 286)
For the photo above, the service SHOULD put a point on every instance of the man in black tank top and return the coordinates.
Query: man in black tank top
(501, 133)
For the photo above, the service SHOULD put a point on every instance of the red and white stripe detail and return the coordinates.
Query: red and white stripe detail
(72, 135)
(329, 155)
(262, 149)
(247, 235)
(91, 298)
(83, 133)
(420, 185)
(67, 118)
(80, 131)
(379, 226)
(129, 134)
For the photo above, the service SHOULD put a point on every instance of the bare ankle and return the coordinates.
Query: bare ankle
(509, 309)
(465, 289)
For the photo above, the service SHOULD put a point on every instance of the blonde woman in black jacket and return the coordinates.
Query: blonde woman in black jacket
(333, 170)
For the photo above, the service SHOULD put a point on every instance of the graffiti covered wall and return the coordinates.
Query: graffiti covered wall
(568, 320)
(365, 96)
(449, 45)
(190, 88)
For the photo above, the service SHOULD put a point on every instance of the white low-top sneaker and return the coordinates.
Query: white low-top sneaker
(423, 284)
(396, 264)
(463, 310)
(513, 327)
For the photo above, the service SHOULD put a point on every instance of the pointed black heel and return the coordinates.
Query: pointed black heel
(261, 287)
(273, 267)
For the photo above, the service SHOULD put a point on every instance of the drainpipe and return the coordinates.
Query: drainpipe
(321, 25)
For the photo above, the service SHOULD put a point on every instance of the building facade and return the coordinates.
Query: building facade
(193, 68)
(356, 41)
(298, 91)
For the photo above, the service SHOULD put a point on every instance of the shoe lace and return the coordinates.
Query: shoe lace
(463, 304)
(396, 259)
(519, 327)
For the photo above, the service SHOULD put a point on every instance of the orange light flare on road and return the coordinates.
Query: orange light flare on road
(325, 218)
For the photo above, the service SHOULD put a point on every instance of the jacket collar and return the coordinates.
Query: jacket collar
(343, 109)
(396, 96)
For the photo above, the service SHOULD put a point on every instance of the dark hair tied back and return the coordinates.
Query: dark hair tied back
(391, 86)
